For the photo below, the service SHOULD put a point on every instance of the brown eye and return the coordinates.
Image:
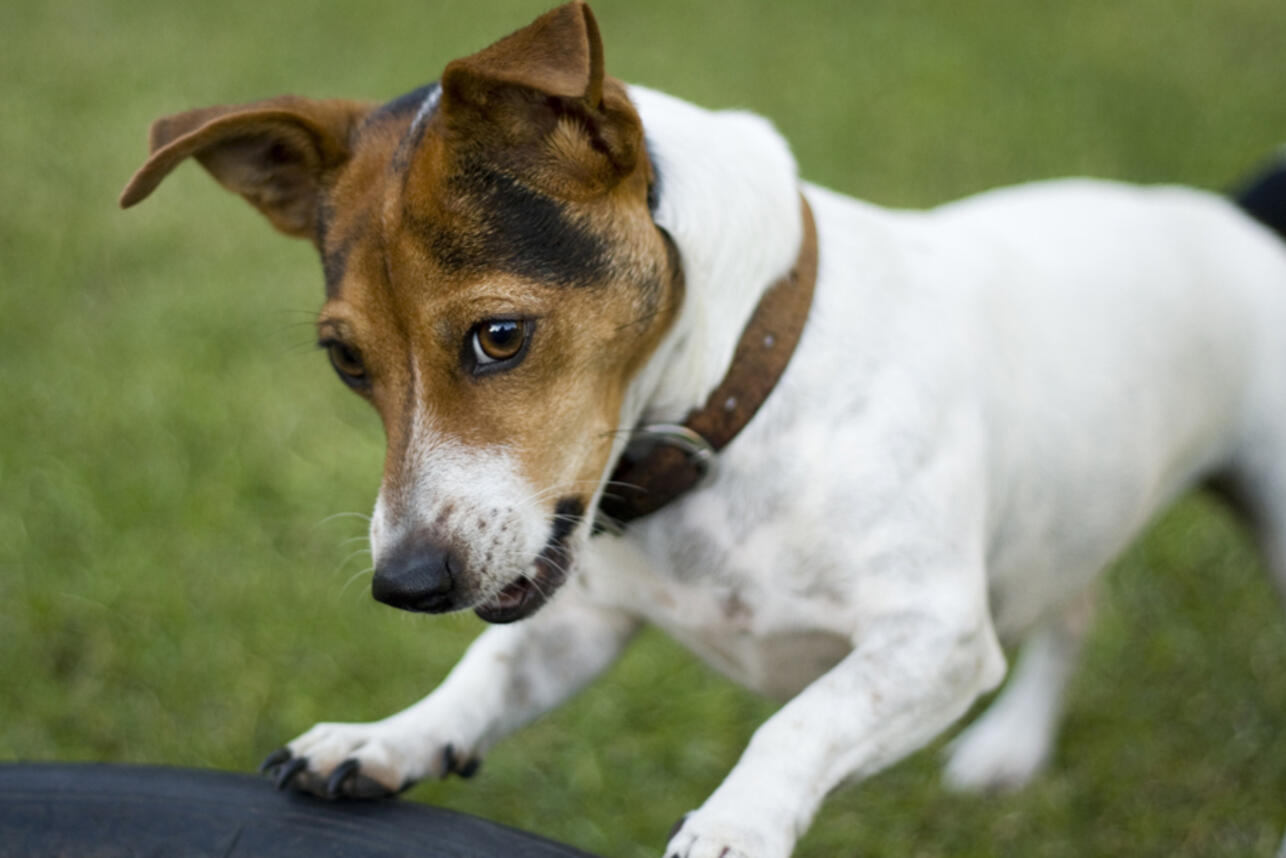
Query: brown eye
(347, 362)
(499, 340)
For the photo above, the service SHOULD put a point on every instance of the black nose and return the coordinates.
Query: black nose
(417, 575)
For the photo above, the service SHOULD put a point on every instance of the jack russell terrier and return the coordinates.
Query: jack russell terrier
(632, 370)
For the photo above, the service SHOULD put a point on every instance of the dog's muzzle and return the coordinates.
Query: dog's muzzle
(525, 596)
(421, 575)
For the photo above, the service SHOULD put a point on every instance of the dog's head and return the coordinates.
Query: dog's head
(494, 281)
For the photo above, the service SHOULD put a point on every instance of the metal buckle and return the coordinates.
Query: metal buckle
(698, 450)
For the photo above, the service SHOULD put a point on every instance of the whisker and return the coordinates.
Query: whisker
(330, 518)
(358, 553)
(354, 577)
(290, 326)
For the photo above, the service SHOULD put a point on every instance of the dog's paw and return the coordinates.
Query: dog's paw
(372, 760)
(994, 755)
(700, 835)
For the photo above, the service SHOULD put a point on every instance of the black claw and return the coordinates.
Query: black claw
(448, 760)
(288, 771)
(470, 768)
(274, 759)
(335, 784)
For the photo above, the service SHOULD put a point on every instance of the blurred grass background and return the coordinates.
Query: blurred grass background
(175, 584)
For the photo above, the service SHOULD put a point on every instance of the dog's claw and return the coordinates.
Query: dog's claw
(274, 759)
(289, 770)
(454, 765)
(448, 760)
(335, 784)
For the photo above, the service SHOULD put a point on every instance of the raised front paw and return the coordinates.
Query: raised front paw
(700, 835)
(372, 760)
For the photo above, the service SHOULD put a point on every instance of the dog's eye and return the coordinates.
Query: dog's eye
(499, 342)
(347, 362)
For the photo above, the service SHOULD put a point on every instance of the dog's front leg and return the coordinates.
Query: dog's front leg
(510, 675)
(910, 676)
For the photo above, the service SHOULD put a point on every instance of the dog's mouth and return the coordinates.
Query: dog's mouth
(525, 596)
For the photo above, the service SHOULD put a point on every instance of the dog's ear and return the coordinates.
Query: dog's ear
(276, 153)
(539, 100)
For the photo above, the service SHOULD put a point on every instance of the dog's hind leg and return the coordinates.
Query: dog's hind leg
(1256, 489)
(1255, 483)
(1012, 740)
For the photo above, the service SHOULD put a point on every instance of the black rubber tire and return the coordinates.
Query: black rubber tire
(57, 809)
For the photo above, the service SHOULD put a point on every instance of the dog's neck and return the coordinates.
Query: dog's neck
(729, 198)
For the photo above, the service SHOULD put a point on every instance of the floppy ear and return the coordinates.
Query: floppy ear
(276, 153)
(539, 98)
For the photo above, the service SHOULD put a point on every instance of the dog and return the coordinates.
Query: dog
(631, 369)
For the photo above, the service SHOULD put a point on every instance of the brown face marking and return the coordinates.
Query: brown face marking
(417, 257)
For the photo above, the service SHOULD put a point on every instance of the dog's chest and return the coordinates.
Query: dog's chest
(740, 604)
(778, 663)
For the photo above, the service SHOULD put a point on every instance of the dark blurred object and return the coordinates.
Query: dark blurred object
(1264, 197)
(117, 811)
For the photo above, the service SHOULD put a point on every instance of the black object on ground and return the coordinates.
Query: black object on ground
(112, 811)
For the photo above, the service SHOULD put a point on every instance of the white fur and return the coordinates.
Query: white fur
(427, 107)
(474, 501)
(734, 215)
(990, 400)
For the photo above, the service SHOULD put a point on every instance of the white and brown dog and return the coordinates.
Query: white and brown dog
(530, 263)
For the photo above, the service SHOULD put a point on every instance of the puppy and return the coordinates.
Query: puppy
(880, 442)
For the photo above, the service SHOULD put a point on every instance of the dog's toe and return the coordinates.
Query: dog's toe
(340, 776)
(289, 770)
(698, 837)
(371, 760)
(348, 781)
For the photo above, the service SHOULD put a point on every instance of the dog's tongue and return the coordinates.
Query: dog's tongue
(508, 605)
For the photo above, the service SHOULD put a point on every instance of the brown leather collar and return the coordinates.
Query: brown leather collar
(664, 461)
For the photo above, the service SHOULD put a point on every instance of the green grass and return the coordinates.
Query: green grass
(173, 588)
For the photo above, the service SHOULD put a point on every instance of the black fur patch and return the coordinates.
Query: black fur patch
(654, 188)
(567, 514)
(519, 230)
(403, 106)
(1264, 198)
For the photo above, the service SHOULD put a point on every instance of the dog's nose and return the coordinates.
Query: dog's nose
(417, 575)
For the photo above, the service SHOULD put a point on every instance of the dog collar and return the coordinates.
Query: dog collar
(663, 461)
